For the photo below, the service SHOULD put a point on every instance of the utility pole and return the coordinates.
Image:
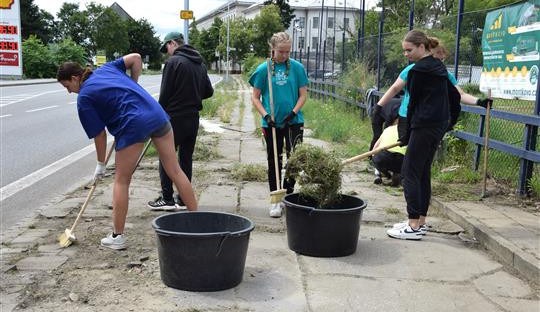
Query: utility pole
(227, 66)
(186, 23)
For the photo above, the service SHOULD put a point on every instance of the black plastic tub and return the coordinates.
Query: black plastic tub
(331, 232)
(202, 251)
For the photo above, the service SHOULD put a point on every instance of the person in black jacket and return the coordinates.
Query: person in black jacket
(433, 109)
(184, 85)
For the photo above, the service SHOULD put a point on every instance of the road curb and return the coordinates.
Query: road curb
(25, 82)
(504, 250)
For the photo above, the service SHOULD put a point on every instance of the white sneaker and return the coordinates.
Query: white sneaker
(275, 210)
(405, 233)
(117, 243)
(423, 228)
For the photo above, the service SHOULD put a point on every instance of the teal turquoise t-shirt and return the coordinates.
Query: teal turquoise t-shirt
(284, 87)
(405, 101)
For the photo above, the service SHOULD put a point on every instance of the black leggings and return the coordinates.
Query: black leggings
(292, 135)
(416, 169)
(185, 135)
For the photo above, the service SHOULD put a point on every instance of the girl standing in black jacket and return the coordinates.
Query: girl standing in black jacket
(433, 109)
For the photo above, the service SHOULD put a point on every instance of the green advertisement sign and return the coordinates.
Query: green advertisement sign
(510, 42)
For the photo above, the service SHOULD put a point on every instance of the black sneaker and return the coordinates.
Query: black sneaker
(161, 204)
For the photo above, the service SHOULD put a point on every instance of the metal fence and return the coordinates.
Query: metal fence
(514, 124)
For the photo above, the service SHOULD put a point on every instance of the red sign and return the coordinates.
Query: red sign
(9, 59)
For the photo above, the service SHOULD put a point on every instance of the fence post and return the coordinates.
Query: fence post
(478, 149)
(307, 61)
(363, 27)
(379, 47)
(458, 34)
(526, 167)
(411, 15)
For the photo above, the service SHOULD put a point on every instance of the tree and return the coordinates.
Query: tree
(112, 34)
(265, 25)
(208, 42)
(194, 34)
(36, 59)
(35, 21)
(67, 50)
(240, 29)
(73, 24)
(143, 40)
(285, 11)
(93, 12)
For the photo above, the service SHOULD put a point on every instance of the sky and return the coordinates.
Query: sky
(164, 15)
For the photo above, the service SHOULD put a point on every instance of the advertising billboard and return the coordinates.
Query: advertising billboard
(10, 38)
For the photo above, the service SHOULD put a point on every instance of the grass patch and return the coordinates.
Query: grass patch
(249, 172)
(392, 211)
(456, 174)
(454, 191)
(220, 105)
(534, 184)
(205, 151)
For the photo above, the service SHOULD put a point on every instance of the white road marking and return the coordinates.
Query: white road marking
(42, 173)
(5, 115)
(27, 98)
(40, 109)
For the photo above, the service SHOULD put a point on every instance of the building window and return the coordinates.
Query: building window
(329, 43)
(301, 42)
(330, 22)
(346, 23)
(315, 22)
(301, 22)
(314, 42)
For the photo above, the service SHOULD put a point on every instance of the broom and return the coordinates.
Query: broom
(67, 238)
(370, 153)
(277, 195)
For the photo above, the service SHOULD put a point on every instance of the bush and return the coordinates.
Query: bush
(40, 61)
(250, 64)
(37, 59)
(471, 88)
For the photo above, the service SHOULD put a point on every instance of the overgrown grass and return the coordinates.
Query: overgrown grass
(249, 172)
(206, 150)
(220, 105)
(534, 184)
(340, 123)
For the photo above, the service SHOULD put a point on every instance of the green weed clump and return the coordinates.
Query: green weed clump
(534, 185)
(317, 172)
(249, 172)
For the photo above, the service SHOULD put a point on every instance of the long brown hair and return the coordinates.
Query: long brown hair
(418, 37)
(70, 69)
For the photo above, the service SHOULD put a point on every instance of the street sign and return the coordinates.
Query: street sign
(186, 14)
(101, 60)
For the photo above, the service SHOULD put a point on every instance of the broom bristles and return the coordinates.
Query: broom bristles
(277, 196)
(65, 239)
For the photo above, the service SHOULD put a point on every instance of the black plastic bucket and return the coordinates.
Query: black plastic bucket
(331, 232)
(202, 251)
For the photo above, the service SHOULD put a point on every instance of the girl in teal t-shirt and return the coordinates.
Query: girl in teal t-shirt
(289, 88)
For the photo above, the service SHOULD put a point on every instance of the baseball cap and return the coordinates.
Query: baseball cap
(174, 35)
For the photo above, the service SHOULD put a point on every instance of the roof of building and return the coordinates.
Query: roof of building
(121, 12)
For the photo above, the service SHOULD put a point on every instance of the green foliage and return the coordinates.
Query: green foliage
(240, 30)
(208, 41)
(358, 75)
(143, 40)
(35, 21)
(317, 172)
(67, 50)
(40, 61)
(471, 88)
(285, 11)
(534, 185)
(250, 64)
(112, 35)
(73, 23)
(37, 59)
(249, 172)
(265, 25)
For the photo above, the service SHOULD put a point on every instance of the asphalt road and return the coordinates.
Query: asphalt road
(44, 152)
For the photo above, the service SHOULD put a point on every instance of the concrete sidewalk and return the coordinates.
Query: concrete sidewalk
(23, 82)
(440, 273)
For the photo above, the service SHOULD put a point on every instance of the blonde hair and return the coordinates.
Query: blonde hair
(418, 37)
(278, 38)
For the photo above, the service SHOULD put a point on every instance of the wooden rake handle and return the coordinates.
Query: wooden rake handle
(274, 142)
(370, 153)
(94, 185)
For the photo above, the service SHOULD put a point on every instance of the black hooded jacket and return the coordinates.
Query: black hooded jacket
(185, 83)
(434, 100)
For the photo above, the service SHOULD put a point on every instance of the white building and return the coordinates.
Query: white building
(305, 29)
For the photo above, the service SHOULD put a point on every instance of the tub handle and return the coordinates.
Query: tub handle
(220, 245)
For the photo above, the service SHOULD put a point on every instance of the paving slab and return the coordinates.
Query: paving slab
(219, 198)
(502, 284)
(351, 293)
(517, 305)
(30, 236)
(43, 263)
(378, 256)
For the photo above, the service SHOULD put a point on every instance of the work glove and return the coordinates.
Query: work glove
(100, 172)
(404, 132)
(289, 117)
(377, 110)
(269, 120)
(484, 102)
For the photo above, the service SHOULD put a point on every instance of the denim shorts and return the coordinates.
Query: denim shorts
(161, 131)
